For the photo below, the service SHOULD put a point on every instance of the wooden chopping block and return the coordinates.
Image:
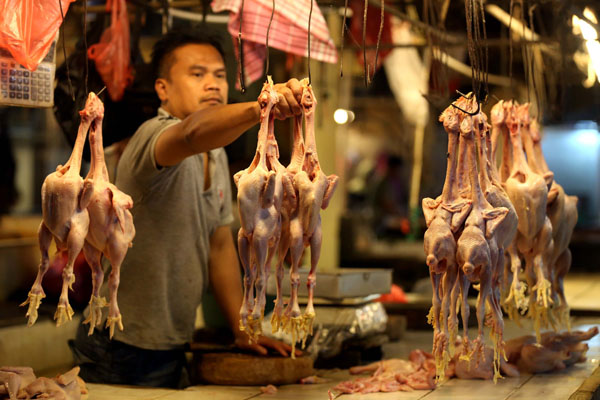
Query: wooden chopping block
(249, 370)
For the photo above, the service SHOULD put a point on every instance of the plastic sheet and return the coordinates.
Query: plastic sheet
(112, 55)
(335, 325)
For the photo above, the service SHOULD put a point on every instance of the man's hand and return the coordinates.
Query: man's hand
(263, 344)
(290, 95)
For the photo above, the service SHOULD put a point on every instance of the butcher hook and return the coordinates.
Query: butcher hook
(468, 97)
(101, 90)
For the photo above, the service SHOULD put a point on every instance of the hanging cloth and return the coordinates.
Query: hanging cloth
(289, 31)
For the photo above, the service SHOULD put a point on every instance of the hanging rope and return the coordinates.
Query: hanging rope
(533, 75)
(510, 45)
(85, 44)
(526, 53)
(379, 35)
(343, 32)
(485, 52)
(364, 37)
(62, 28)
(308, 58)
(241, 53)
(267, 38)
(479, 74)
(438, 68)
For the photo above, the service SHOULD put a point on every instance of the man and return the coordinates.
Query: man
(176, 171)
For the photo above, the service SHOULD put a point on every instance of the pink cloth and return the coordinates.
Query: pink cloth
(289, 31)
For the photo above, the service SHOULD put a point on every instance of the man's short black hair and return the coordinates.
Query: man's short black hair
(162, 51)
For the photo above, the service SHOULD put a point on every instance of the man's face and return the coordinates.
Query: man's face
(196, 80)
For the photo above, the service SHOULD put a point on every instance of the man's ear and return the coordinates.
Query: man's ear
(160, 86)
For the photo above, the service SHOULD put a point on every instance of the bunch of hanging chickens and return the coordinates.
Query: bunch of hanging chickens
(279, 210)
(503, 229)
(88, 214)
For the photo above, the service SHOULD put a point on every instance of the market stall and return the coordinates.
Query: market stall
(299, 199)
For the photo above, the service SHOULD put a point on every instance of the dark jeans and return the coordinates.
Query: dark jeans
(109, 361)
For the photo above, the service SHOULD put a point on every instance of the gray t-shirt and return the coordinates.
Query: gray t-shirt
(165, 273)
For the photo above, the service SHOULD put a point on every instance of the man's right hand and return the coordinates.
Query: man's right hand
(290, 94)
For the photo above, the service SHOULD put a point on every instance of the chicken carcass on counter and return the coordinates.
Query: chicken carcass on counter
(556, 352)
(90, 215)
(280, 211)
(21, 383)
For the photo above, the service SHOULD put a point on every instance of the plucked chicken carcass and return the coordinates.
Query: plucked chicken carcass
(21, 383)
(513, 289)
(561, 209)
(65, 218)
(528, 192)
(496, 195)
(260, 220)
(477, 252)
(111, 230)
(12, 379)
(555, 351)
(289, 213)
(314, 190)
(444, 216)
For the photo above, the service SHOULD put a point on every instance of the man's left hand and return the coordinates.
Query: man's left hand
(263, 344)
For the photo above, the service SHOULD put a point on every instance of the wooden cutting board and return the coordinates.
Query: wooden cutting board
(248, 370)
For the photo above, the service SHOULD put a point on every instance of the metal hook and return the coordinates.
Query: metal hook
(468, 97)
(101, 90)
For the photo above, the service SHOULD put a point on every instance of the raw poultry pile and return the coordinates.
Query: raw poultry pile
(90, 215)
(523, 355)
(21, 383)
(279, 211)
(486, 223)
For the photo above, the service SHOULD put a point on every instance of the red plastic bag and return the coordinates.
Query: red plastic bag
(112, 54)
(28, 27)
(396, 295)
